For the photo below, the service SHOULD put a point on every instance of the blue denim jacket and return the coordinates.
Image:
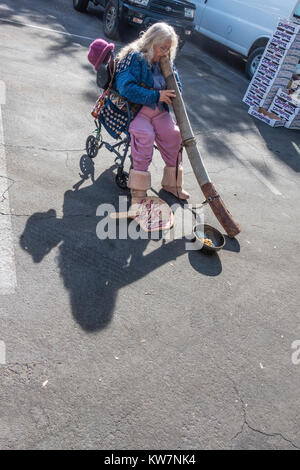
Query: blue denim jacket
(131, 73)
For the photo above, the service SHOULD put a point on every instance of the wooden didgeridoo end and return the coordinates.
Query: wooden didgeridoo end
(219, 209)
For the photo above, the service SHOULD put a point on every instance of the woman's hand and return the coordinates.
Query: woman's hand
(166, 96)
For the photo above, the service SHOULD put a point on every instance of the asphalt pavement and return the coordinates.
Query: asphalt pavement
(139, 344)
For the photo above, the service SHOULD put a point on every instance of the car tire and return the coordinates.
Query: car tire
(253, 61)
(80, 5)
(111, 21)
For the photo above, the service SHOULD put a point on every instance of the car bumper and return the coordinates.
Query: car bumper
(143, 18)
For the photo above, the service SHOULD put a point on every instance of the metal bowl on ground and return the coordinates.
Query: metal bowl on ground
(207, 231)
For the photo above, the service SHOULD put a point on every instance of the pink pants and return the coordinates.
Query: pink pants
(149, 126)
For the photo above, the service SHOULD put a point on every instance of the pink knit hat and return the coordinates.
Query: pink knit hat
(98, 51)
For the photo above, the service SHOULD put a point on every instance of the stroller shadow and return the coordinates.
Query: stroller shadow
(94, 270)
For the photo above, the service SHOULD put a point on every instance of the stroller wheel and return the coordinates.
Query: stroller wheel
(86, 166)
(122, 179)
(92, 146)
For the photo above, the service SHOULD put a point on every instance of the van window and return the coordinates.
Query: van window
(297, 12)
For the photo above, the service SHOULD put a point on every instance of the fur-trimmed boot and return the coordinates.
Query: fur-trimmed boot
(170, 184)
(138, 182)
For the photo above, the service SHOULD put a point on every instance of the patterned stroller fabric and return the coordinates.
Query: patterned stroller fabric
(114, 115)
(112, 110)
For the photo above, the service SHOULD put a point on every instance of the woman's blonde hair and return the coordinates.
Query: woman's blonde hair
(157, 34)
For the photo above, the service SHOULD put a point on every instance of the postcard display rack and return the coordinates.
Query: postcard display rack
(274, 91)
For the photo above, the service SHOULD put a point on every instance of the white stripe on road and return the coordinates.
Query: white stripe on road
(46, 29)
(296, 147)
(8, 278)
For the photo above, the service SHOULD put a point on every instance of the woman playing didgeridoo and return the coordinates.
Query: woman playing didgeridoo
(139, 79)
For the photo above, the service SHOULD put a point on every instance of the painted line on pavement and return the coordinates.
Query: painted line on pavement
(8, 277)
(296, 147)
(46, 29)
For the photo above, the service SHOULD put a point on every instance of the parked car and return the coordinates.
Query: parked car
(243, 26)
(143, 13)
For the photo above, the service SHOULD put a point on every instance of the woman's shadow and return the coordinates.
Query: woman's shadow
(93, 269)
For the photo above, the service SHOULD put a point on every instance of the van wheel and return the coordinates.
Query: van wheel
(253, 61)
(111, 22)
(80, 5)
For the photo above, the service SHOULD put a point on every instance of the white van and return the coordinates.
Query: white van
(243, 26)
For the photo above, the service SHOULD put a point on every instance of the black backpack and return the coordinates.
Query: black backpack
(106, 72)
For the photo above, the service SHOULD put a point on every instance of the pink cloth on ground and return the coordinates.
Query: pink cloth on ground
(151, 126)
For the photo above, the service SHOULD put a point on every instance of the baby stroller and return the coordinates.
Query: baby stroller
(95, 142)
(111, 112)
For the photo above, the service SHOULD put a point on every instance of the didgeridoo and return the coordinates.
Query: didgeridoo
(188, 139)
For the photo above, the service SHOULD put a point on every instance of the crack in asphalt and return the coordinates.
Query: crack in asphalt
(291, 180)
(7, 189)
(49, 217)
(32, 147)
(245, 422)
(231, 167)
(67, 160)
(8, 365)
